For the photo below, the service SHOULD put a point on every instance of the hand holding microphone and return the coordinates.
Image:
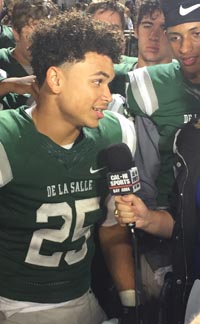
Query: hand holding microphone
(131, 209)
(123, 182)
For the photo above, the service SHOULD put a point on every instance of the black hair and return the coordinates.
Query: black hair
(145, 7)
(68, 37)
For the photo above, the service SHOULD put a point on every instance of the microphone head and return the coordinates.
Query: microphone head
(119, 157)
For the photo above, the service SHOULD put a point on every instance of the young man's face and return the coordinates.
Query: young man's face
(185, 43)
(84, 92)
(108, 16)
(23, 43)
(153, 45)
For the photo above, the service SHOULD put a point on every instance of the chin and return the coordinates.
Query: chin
(92, 124)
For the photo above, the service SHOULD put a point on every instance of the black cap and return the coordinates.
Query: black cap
(180, 11)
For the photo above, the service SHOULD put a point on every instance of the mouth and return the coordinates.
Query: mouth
(153, 48)
(188, 61)
(99, 111)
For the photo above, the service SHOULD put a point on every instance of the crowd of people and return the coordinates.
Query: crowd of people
(69, 88)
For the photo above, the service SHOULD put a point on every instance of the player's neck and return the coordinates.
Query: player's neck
(20, 58)
(141, 62)
(58, 130)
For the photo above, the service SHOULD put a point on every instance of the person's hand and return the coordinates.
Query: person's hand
(131, 209)
(27, 84)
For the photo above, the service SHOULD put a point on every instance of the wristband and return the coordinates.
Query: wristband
(127, 297)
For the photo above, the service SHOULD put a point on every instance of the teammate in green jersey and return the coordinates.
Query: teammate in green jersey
(168, 95)
(153, 46)
(153, 49)
(15, 61)
(53, 178)
(6, 36)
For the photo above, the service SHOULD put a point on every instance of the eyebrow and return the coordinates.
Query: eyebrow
(194, 28)
(179, 33)
(101, 73)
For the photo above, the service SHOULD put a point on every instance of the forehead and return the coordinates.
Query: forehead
(108, 16)
(184, 28)
(157, 16)
(93, 64)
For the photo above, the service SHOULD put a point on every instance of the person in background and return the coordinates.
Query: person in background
(128, 20)
(6, 33)
(111, 12)
(174, 99)
(15, 62)
(53, 190)
(7, 12)
(153, 49)
(153, 45)
(131, 6)
(6, 37)
(167, 112)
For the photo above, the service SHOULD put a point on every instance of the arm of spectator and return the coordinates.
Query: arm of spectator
(131, 209)
(21, 85)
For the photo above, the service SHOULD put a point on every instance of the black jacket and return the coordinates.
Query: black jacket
(186, 214)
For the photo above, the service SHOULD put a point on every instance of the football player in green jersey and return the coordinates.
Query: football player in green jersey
(181, 82)
(53, 178)
(15, 61)
(6, 36)
(148, 97)
(153, 46)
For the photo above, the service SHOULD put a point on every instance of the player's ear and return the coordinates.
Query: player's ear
(53, 79)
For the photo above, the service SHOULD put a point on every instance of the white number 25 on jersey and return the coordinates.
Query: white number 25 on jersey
(60, 235)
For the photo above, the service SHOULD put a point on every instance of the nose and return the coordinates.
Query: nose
(107, 96)
(155, 34)
(185, 45)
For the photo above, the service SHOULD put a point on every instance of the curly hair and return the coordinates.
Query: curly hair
(145, 7)
(25, 11)
(68, 37)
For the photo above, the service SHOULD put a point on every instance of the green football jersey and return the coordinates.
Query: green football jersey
(118, 85)
(50, 199)
(160, 93)
(6, 37)
(13, 69)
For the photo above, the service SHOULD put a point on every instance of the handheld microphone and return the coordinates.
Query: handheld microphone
(123, 179)
(123, 176)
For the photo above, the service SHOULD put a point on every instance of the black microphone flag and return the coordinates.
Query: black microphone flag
(123, 177)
